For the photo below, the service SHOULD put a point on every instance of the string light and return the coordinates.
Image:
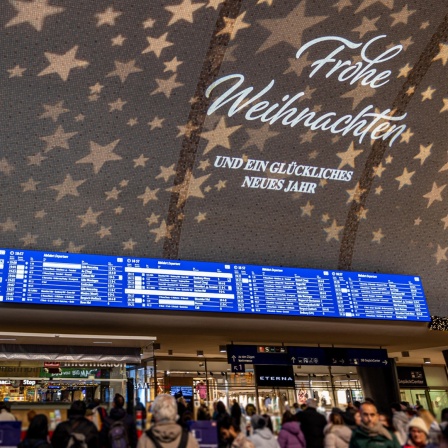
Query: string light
(438, 323)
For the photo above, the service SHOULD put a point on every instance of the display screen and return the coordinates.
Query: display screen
(108, 281)
(185, 391)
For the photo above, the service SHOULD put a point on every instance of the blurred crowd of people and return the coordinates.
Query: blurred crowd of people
(169, 419)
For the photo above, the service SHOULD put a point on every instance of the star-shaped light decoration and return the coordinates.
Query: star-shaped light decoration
(149, 195)
(57, 242)
(358, 94)
(124, 69)
(404, 71)
(402, 16)
(442, 55)
(29, 185)
(53, 111)
(118, 41)
(5, 166)
(377, 236)
(445, 105)
(104, 231)
(156, 122)
(59, 139)
(435, 194)
(183, 11)
(33, 12)
(362, 213)
(107, 17)
(89, 217)
(200, 217)
(341, 4)
(307, 209)
(69, 187)
(140, 161)
(406, 136)
(405, 178)
(367, 3)
(378, 170)
(355, 194)
(232, 26)
(99, 155)
(298, 65)
(406, 43)
(219, 136)
(62, 64)
(157, 45)
(40, 214)
(190, 187)
(424, 153)
(153, 219)
(36, 159)
(445, 222)
(440, 254)
(166, 86)
(112, 194)
(333, 231)
(129, 244)
(118, 104)
(29, 239)
(16, 71)
(9, 225)
(367, 26)
(286, 29)
(166, 172)
(161, 232)
(148, 23)
(171, 66)
(427, 94)
(259, 137)
(348, 157)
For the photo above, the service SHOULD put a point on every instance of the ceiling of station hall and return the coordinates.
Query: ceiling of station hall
(117, 139)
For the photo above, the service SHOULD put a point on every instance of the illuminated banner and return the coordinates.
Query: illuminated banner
(50, 278)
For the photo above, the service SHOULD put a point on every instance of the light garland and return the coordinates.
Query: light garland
(438, 323)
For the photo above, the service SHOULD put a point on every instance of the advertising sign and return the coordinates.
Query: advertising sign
(411, 377)
(274, 376)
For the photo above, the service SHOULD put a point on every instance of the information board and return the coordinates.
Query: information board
(52, 278)
(241, 355)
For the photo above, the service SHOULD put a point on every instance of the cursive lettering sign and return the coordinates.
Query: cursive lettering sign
(378, 125)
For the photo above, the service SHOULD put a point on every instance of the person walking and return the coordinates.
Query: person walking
(291, 435)
(37, 433)
(418, 435)
(118, 426)
(76, 425)
(5, 415)
(165, 432)
(231, 434)
(235, 412)
(312, 424)
(337, 434)
(400, 421)
(434, 430)
(371, 433)
(262, 436)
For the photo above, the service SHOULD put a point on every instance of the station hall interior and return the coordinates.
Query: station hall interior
(283, 156)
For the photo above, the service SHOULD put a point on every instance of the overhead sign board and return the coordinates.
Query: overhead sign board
(52, 278)
(327, 356)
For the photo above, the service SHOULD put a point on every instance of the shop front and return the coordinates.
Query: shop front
(425, 386)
